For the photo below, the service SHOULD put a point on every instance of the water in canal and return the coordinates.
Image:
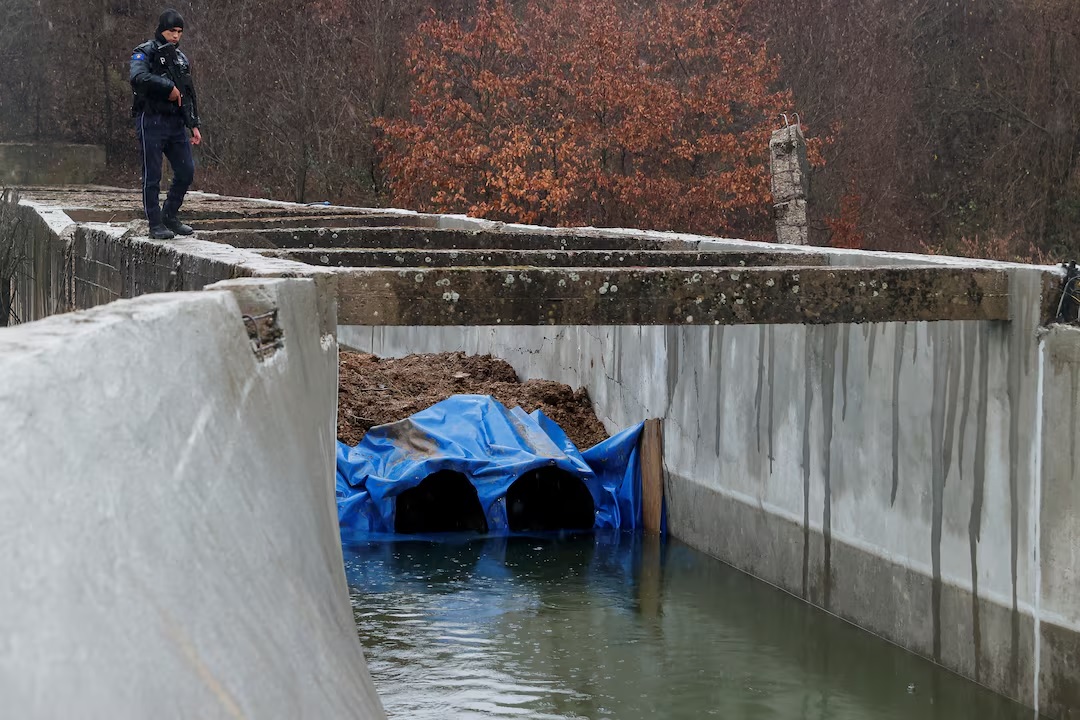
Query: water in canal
(616, 626)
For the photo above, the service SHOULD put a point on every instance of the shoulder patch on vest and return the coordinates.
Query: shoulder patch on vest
(138, 56)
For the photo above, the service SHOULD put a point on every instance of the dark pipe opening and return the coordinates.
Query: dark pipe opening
(443, 502)
(549, 499)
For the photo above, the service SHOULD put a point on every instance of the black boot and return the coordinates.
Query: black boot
(174, 224)
(160, 232)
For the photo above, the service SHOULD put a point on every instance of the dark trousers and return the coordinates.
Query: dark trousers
(164, 135)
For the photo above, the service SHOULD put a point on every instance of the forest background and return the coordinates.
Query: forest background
(944, 126)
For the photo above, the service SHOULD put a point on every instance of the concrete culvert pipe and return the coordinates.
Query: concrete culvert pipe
(443, 502)
(549, 499)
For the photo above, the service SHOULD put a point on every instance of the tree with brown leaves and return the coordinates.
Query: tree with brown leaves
(654, 115)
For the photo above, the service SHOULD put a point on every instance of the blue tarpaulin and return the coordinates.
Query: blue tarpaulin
(491, 446)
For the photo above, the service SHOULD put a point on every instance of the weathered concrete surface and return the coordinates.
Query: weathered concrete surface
(408, 258)
(110, 263)
(433, 238)
(104, 204)
(325, 220)
(168, 515)
(650, 296)
(210, 218)
(1059, 524)
(42, 278)
(82, 266)
(79, 264)
(50, 164)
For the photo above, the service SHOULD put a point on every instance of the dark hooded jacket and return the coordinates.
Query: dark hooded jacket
(157, 67)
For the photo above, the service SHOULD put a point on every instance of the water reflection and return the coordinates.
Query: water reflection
(616, 625)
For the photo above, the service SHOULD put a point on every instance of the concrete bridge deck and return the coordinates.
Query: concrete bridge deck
(889, 437)
(396, 268)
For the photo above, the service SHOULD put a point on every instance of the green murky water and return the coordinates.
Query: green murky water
(619, 627)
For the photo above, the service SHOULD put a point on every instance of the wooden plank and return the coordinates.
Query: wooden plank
(650, 586)
(652, 475)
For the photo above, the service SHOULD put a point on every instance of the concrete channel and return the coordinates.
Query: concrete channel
(889, 437)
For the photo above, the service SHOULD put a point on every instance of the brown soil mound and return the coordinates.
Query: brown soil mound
(374, 391)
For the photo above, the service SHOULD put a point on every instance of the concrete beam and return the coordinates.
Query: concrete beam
(208, 217)
(324, 220)
(692, 296)
(439, 239)
(407, 258)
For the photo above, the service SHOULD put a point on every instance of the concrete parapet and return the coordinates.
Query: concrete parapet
(436, 239)
(660, 296)
(277, 222)
(412, 258)
(42, 277)
(110, 263)
(170, 518)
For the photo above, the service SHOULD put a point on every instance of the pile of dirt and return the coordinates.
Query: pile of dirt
(374, 391)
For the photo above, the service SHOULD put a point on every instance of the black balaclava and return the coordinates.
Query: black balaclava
(169, 19)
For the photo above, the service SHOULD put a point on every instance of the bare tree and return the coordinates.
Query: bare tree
(295, 87)
(22, 56)
(951, 120)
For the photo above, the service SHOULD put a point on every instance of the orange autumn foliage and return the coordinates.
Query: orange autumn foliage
(844, 227)
(576, 113)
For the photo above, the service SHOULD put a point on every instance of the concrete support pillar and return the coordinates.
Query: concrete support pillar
(790, 183)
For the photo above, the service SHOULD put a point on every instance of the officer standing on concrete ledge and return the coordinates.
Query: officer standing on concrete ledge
(165, 108)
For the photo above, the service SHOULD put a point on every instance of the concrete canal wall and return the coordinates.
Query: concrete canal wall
(69, 265)
(913, 478)
(168, 514)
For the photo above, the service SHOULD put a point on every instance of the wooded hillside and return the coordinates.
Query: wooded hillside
(938, 126)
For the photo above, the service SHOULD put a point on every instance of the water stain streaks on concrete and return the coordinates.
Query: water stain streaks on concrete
(968, 343)
(717, 340)
(873, 346)
(808, 401)
(977, 498)
(672, 362)
(772, 386)
(938, 471)
(843, 374)
(828, 388)
(898, 362)
(760, 385)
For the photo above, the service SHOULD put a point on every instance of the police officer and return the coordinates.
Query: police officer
(165, 108)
